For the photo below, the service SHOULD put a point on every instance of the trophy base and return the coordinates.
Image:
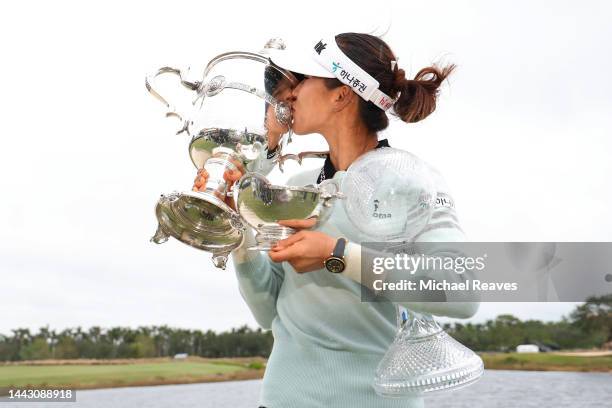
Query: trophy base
(424, 359)
(200, 220)
(267, 237)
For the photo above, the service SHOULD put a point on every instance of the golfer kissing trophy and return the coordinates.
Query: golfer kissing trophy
(240, 98)
(423, 358)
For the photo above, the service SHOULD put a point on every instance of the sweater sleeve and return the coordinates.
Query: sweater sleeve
(259, 280)
(265, 161)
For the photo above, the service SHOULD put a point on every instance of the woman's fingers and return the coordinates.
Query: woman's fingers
(238, 165)
(284, 243)
(299, 224)
(232, 175)
(199, 184)
(284, 254)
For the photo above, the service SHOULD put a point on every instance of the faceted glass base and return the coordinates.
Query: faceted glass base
(268, 235)
(423, 359)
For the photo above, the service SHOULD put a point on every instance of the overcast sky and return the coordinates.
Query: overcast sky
(521, 133)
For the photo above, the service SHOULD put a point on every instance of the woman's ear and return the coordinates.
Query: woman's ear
(342, 97)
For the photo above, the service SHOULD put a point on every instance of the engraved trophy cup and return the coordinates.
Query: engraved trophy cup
(261, 204)
(239, 96)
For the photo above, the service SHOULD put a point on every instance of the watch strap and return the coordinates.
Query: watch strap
(339, 248)
(272, 153)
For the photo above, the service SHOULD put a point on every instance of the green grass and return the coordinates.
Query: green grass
(546, 362)
(92, 376)
(147, 372)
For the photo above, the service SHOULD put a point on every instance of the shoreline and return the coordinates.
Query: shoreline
(97, 374)
(100, 374)
(240, 376)
(567, 361)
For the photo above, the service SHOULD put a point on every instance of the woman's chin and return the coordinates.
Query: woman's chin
(297, 130)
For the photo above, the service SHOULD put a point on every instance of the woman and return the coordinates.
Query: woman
(327, 343)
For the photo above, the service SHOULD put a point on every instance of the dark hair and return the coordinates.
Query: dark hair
(273, 77)
(417, 97)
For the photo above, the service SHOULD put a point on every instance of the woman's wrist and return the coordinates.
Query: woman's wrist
(273, 140)
(272, 151)
(328, 245)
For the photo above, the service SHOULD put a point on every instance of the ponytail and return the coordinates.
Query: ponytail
(418, 96)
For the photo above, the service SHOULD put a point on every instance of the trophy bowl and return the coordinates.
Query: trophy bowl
(262, 204)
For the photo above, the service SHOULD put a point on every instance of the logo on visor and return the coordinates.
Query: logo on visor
(320, 47)
(385, 103)
(335, 66)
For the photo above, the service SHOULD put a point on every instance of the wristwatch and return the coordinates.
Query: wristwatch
(335, 263)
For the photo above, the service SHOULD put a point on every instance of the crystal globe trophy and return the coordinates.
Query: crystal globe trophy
(390, 197)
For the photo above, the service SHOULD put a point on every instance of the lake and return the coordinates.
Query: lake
(497, 388)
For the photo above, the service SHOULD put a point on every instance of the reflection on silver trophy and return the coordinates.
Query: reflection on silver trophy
(229, 135)
(262, 204)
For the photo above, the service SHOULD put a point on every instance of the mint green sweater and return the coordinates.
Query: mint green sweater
(327, 343)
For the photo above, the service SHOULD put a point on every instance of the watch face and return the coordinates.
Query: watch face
(334, 265)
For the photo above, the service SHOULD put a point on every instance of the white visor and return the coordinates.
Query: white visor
(325, 59)
(299, 61)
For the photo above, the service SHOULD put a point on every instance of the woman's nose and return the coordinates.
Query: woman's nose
(295, 91)
(287, 96)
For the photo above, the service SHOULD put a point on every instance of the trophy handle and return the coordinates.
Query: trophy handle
(330, 190)
(299, 157)
(193, 86)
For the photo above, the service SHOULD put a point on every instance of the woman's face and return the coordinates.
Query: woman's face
(311, 106)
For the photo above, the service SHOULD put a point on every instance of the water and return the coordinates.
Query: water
(500, 389)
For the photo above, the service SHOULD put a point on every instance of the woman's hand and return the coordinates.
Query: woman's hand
(230, 176)
(305, 251)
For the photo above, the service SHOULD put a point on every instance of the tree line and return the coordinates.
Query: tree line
(588, 326)
(123, 342)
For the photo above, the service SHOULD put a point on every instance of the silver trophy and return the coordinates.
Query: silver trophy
(390, 198)
(261, 204)
(240, 95)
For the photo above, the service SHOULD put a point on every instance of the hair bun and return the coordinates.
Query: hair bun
(400, 78)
